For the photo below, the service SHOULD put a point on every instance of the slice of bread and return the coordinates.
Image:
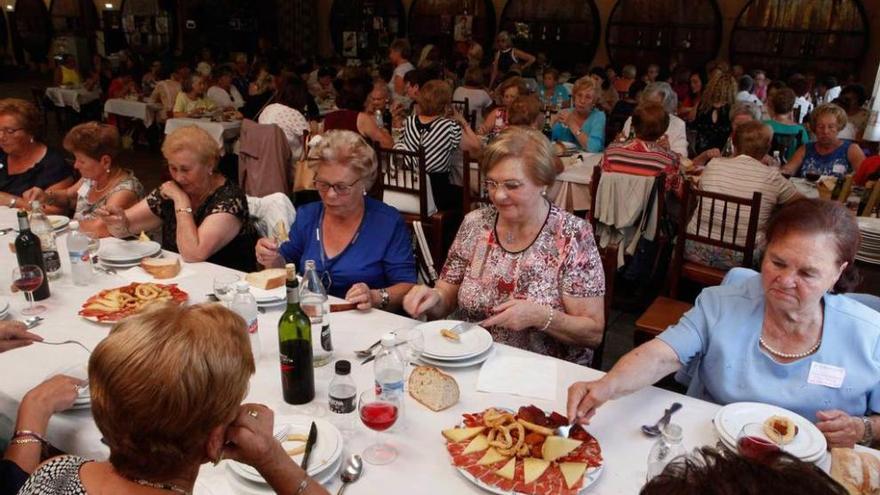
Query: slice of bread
(433, 388)
(267, 279)
(858, 472)
(161, 268)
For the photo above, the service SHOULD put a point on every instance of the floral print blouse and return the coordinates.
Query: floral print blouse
(562, 261)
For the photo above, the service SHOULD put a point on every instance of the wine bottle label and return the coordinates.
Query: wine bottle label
(326, 341)
(342, 405)
(287, 364)
(52, 261)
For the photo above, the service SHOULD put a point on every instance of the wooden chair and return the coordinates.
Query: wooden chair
(845, 190)
(474, 193)
(464, 108)
(873, 198)
(45, 107)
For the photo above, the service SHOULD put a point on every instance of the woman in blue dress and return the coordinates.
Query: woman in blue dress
(828, 154)
(584, 124)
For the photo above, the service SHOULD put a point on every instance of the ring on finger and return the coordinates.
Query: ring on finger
(253, 413)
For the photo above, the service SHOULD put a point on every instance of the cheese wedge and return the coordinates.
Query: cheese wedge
(478, 444)
(462, 434)
(572, 472)
(508, 471)
(533, 468)
(556, 447)
(491, 457)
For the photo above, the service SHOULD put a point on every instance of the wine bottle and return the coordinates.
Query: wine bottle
(295, 347)
(29, 252)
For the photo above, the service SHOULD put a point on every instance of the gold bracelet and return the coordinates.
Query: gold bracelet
(20, 441)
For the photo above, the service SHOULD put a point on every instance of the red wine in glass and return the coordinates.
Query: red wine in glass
(28, 284)
(28, 278)
(812, 176)
(756, 447)
(379, 416)
(379, 412)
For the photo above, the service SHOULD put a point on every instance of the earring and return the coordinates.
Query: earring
(544, 192)
(32, 139)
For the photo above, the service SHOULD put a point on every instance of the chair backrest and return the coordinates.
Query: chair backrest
(403, 172)
(785, 144)
(464, 108)
(873, 198)
(39, 96)
(474, 191)
(845, 189)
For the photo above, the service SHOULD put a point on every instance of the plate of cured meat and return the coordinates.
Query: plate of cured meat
(519, 453)
(112, 305)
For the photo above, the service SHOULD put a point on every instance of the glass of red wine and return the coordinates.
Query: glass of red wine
(28, 278)
(378, 413)
(812, 174)
(753, 443)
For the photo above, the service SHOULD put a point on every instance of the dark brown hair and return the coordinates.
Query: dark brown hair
(524, 110)
(819, 216)
(782, 101)
(434, 97)
(650, 121)
(93, 139)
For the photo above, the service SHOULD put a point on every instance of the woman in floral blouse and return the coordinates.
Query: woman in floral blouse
(523, 268)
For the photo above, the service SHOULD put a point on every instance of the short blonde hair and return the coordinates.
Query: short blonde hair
(195, 140)
(162, 380)
(347, 148)
(829, 109)
(585, 83)
(529, 145)
(27, 114)
(434, 97)
(753, 138)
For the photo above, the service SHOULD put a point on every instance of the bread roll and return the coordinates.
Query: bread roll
(161, 268)
(858, 472)
(433, 388)
(780, 429)
(267, 279)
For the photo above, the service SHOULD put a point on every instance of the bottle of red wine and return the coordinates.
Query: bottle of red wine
(29, 252)
(295, 346)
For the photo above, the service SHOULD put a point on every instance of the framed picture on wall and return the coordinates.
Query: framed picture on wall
(349, 44)
(463, 27)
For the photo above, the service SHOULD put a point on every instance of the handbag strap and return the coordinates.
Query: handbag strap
(646, 211)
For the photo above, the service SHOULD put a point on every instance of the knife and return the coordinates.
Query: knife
(313, 437)
(365, 361)
(462, 327)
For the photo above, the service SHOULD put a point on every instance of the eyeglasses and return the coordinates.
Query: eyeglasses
(507, 185)
(341, 188)
(9, 131)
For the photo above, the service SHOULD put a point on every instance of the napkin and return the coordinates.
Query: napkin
(137, 274)
(524, 376)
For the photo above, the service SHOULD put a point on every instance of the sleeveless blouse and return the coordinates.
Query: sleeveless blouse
(506, 59)
(835, 163)
(85, 209)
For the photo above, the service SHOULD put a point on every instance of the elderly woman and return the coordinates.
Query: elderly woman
(553, 94)
(102, 182)
(583, 125)
(191, 101)
(507, 91)
(526, 270)
(676, 134)
(203, 215)
(740, 113)
(507, 56)
(361, 247)
(761, 339)
(25, 162)
(712, 122)
(161, 428)
(788, 135)
(166, 91)
(828, 154)
(223, 93)
(351, 116)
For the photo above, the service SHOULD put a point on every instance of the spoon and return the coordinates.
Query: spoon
(653, 431)
(32, 321)
(351, 472)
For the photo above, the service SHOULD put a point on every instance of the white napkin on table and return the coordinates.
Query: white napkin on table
(524, 376)
(139, 275)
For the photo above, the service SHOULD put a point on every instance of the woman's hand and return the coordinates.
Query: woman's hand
(115, 220)
(419, 299)
(360, 293)
(34, 194)
(249, 438)
(584, 398)
(517, 315)
(14, 334)
(839, 428)
(267, 253)
(54, 395)
(170, 190)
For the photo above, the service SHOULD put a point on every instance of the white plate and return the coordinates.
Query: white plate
(730, 419)
(327, 450)
(245, 486)
(4, 307)
(475, 341)
(814, 458)
(464, 363)
(127, 251)
(869, 224)
(58, 222)
(81, 371)
(262, 295)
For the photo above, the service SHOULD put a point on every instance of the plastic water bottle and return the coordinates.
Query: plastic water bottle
(667, 448)
(389, 370)
(343, 397)
(379, 120)
(245, 305)
(42, 227)
(313, 300)
(78, 250)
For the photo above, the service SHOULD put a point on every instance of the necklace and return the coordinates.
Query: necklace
(109, 181)
(171, 487)
(786, 355)
(509, 238)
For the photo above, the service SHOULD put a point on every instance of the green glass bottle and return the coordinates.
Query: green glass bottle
(295, 347)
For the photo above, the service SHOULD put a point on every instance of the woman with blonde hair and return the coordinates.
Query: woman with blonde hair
(584, 124)
(712, 123)
(167, 387)
(828, 154)
(203, 215)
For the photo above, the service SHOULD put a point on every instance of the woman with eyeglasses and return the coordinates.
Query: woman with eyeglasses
(361, 247)
(524, 269)
(25, 162)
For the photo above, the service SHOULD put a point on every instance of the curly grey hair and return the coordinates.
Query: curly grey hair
(745, 108)
(667, 95)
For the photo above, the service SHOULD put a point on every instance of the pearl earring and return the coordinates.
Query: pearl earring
(544, 192)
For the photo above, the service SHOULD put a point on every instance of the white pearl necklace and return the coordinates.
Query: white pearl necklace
(786, 355)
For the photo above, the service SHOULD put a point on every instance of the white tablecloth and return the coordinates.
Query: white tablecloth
(423, 461)
(220, 131)
(70, 97)
(133, 108)
(572, 188)
(805, 187)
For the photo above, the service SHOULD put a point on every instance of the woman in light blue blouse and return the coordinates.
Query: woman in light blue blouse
(583, 125)
(785, 337)
(552, 93)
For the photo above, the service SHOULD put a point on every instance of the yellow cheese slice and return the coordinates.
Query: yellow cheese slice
(509, 469)
(462, 434)
(478, 444)
(491, 457)
(573, 472)
(556, 447)
(533, 468)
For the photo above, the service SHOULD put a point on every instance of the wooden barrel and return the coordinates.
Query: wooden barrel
(642, 32)
(436, 22)
(364, 28)
(149, 25)
(227, 26)
(785, 36)
(74, 17)
(566, 31)
(31, 29)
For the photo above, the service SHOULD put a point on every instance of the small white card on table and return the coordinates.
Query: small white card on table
(524, 376)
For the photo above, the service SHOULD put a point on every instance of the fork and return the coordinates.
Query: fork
(281, 434)
(64, 342)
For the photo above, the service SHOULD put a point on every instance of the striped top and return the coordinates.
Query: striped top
(440, 138)
(639, 157)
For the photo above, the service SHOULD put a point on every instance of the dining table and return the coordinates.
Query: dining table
(135, 108)
(222, 131)
(71, 97)
(423, 464)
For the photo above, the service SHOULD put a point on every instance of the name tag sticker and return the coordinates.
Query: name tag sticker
(826, 374)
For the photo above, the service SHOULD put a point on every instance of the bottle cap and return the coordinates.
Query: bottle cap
(73, 225)
(35, 204)
(242, 286)
(671, 432)
(389, 339)
(291, 271)
(310, 264)
(343, 367)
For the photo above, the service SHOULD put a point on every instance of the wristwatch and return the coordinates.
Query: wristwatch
(868, 437)
(386, 298)
(184, 210)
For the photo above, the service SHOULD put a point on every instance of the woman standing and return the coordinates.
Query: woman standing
(507, 56)
(583, 125)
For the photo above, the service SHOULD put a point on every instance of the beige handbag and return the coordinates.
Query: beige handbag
(303, 174)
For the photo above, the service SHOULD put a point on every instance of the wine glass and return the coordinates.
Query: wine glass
(379, 412)
(415, 345)
(224, 286)
(812, 174)
(28, 278)
(753, 443)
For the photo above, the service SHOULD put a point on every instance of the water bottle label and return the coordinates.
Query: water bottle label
(342, 405)
(79, 257)
(326, 341)
(390, 388)
(252, 326)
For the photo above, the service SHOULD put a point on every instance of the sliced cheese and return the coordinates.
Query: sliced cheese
(509, 470)
(462, 434)
(533, 468)
(478, 444)
(556, 447)
(572, 472)
(491, 457)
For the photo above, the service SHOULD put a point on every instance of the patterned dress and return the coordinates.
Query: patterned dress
(562, 261)
(86, 209)
(59, 476)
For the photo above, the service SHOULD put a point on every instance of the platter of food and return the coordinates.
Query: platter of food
(511, 453)
(112, 305)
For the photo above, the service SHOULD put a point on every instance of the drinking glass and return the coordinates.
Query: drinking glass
(753, 443)
(28, 278)
(224, 286)
(378, 413)
(812, 174)
(415, 345)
